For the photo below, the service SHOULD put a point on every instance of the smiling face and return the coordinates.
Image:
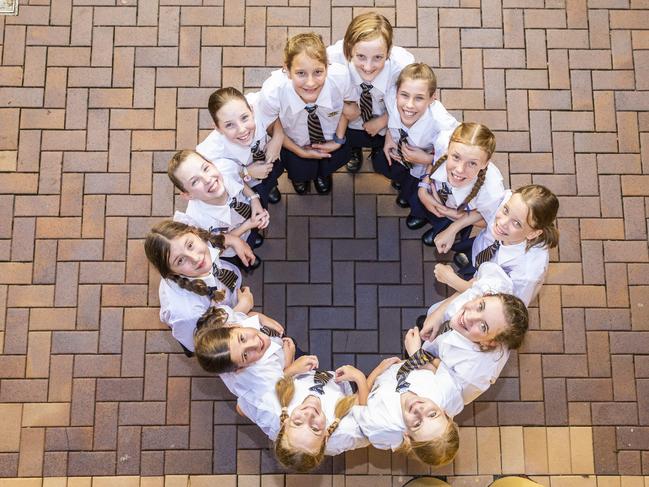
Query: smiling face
(236, 121)
(413, 99)
(189, 256)
(200, 180)
(480, 320)
(306, 427)
(247, 346)
(424, 419)
(308, 76)
(368, 57)
(464, 162)
(512, 222)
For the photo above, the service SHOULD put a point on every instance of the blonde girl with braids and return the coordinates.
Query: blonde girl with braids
(518, 237)
(374, 65)
(193, 276)
(459, 187)
(418, 132)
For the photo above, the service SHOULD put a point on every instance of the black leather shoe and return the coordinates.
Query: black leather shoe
(461, 260)
(414, 223)
(402, 202)
(429, 237)
(323, 184)
(420, 321)
(258, 242)
(274, 196)
(396, 185)
(356, 160)
(301, 187)
(255, 264)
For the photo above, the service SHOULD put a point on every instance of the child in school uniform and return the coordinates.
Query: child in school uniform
(472, 333)
(419, 129)
(410, 408)
(308, 96)
(518, 237)
(459, 187)
(219, 201)
(193, 276)
(374, 65)
(240, 140)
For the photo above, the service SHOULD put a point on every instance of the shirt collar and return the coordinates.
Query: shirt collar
(380, 83)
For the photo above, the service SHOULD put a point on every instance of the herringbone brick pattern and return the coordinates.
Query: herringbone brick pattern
(96, 94)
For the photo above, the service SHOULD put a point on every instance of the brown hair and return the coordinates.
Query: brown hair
(212, 341)
(157, 248)
(478, 135)
(220, 97)
(175, 162)
(299, 460)
(309, 43)
(367, 27)
(437, 451)
(517, 319)
(543, 207)
(417, 71)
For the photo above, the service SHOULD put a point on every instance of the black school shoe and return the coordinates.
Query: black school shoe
(237, 262)
(274, 196)
(414, 223)
(356, 160)
(396, 185)
(402, 202)
(258, 241)
(323, 184)
(301, 187)
(429, 237)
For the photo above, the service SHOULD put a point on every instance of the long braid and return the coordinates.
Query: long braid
(482, 175)
(343, 406)
(437, 164)
(197, 286)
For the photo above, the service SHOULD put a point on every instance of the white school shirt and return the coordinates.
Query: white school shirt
(180, 308)
(398, 59)
(472, 370)
(221, 218)
(489, 195)
(382, 419)
(525, 267)
(229, 156)
(264, 410)
(279, 99)
(432, 131)
(250, 383)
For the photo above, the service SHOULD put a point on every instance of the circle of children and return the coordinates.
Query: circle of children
(311, 118)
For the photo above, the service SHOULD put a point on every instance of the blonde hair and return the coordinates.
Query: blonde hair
(299, 460)
(418, 71)
(477, 135)
(175, 162)
(157, 247)
(437, 451)
(220, 97)
(543, 207)
(367, 27)
(309, 43)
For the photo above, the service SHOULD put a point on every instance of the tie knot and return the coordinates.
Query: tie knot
(403, 134)
(254, 147)
(366, 87)
(311, 108)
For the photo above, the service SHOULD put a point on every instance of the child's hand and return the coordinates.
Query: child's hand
(385, 364)
(259, 169)
(428, 328)
(390, 149)
(327, 147)
(351, 110)
(445, 240)
(430, 202)
(288, 345)
(303, 364)
(416, 155)
(376, 124)
(308, 152)
(273, 148)
(349, 373)
(243, 250)
(412, 342)
(245, 299)
(444, 273)
(260, 220)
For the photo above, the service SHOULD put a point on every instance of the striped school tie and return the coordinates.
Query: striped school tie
(270, 332)
(320, 378)
(443, 193)
(420, 358)
(485, 255)
(313, 122)
(241, 208)
(257, 153)
(366, 101)
(225, 276)
(403, 138)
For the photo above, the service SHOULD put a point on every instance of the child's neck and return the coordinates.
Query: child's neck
(219, 201)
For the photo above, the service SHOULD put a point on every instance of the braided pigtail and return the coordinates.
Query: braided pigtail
(214, 317)
(343, 406)
(482, 174)
(217, 240)
(197, 286)
(437, 164)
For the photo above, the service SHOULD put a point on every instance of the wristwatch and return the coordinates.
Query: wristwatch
(245, 175)
(339, 140)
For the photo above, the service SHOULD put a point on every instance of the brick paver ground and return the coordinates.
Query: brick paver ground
(94, 97)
